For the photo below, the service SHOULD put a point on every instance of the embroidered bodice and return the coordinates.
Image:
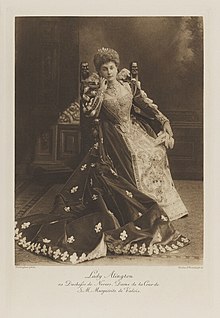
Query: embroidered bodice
(118, 107)
(116, 103)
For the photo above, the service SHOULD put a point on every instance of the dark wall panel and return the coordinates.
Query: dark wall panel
(169, 51)
(47, 72)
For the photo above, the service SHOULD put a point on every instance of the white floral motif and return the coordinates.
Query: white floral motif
(174, 246)
(50, 251)
(184, 240)
(22, 241)
(66, 209)
(140, 214)
(98, 227)
(45, 240)
(25, 225)
(64, 256)
(164, 218)
(29, 244)
(162, 249)
(82, 257)
(32, 247)
(56, 253)
(83, 167)
(25, 243)
(168, 248)
(126, 249)
(179, 244)
(18, 235)
(134, 249)
(73, 258)
(94, 197)
(74, 189)
(96, 145)
(44, 250)
(142, 249)
(92, 164)
(155, 249)
(150, 250)
(123, 235)
(71, 239)
(129, 194)
(37, 249)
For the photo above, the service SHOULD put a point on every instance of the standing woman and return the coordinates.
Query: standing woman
(121, 198)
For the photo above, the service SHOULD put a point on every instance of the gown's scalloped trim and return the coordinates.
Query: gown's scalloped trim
(144, 250)
(116, 246)
(58, 254)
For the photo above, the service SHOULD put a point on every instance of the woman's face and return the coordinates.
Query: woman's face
(109, 71)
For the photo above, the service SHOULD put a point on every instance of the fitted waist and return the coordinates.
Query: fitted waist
(124, 126)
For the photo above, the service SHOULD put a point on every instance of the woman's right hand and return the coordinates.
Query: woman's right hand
(103, 84)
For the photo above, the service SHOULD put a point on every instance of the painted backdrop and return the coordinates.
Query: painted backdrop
(169, 51)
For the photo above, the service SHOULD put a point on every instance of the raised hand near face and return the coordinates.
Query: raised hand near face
(103, 84)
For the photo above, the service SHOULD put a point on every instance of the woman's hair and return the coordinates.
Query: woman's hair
(105, 55)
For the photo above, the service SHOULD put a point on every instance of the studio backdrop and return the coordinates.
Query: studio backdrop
(48, 52)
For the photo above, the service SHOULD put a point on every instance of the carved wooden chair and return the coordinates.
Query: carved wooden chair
(89, 126)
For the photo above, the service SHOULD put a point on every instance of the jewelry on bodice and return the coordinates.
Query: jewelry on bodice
(119, 109)
(114, 88)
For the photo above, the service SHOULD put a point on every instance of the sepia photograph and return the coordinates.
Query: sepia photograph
(110, 158)
(109, 140)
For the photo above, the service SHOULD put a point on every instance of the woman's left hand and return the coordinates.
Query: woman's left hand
(167, 128)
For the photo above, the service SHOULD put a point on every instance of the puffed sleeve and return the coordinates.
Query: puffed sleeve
(92, 98)
(142, 101)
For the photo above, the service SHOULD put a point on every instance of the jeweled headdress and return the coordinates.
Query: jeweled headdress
(105, 55)
(104, 50)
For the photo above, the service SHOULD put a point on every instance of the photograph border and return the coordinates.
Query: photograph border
(192, 290)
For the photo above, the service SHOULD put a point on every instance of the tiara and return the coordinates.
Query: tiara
(104, 50)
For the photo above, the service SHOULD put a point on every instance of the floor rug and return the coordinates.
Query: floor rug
(38, 198)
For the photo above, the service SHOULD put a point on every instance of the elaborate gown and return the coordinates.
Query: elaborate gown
(120, 199)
